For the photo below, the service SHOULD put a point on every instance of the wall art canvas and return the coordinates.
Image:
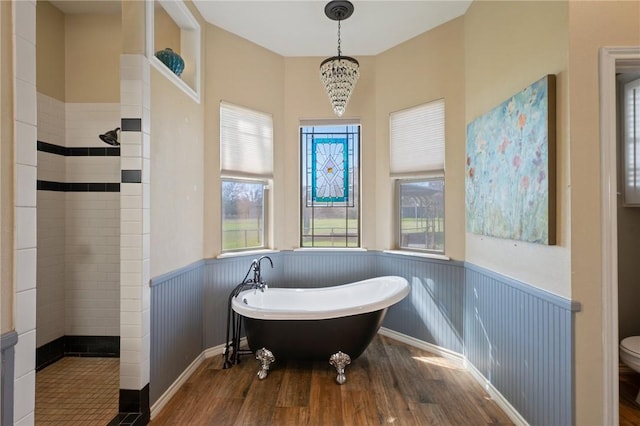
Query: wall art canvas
(510, 170)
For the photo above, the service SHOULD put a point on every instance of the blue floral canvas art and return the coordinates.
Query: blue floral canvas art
(510, 167)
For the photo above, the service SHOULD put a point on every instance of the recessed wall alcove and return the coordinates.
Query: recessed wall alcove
(172, 25)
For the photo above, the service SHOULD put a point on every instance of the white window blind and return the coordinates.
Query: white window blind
(246, 142)
(417, 139)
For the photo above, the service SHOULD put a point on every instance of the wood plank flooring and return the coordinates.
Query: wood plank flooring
(628, 390)
(390, 383)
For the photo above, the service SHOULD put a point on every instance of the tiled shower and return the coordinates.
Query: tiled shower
(78, 230)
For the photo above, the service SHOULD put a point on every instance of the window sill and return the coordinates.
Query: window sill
(330, 249)
(246, 253)
(418, 254)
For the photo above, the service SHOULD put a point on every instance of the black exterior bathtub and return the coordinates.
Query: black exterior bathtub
(314, 339)
(314, 323)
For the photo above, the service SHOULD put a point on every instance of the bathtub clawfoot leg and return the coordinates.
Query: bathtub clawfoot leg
(340, 360)
(265, 357)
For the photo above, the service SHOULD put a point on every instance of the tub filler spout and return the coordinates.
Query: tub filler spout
(257, 281)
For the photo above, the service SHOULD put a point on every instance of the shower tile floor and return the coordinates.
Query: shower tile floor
(78, 391)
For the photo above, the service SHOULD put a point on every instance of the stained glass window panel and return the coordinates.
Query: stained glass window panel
(329, 175)
(330, 203)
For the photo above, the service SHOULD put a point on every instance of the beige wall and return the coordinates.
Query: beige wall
(6, 169)
(510, 45)
(177, 143)
(592, 25)
(255, 79)
(177, 173)
(433, 68)
(305, 98)
(165, 33)
(50, 45)
(133, 17)
(92, 67)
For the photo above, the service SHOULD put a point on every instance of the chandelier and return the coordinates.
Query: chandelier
(339, 73)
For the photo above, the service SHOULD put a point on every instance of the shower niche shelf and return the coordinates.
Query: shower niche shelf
(171, 24)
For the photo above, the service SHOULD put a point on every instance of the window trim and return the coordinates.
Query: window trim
(320, 123)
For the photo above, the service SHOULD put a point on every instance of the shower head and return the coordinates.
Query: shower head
(111, 137)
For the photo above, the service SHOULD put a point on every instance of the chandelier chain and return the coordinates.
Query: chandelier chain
(339, 40)
(339, 74)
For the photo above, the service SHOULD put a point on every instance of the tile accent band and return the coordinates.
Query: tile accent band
(78, 151)
(131, 176)
(45, 185)
(131, 124)
(77, 346)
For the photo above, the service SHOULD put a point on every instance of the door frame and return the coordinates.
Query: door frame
(612, 60)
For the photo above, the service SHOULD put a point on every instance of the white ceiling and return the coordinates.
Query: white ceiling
(300, 27)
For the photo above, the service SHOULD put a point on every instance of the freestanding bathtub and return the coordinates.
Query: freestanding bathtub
(335, 323)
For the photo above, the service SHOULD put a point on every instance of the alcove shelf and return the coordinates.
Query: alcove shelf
(175, 17)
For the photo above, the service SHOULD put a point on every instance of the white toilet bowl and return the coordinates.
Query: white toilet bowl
(630, 355)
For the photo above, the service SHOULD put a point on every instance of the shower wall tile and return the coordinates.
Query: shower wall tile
(26, 61)
(135, 223)
(85, 121)
(131, 150)
(24, 397)
(25, 218)
(25, 355)
(25, 123)
(25, 311)
(24, 24)
(130, 138)
(50, 266)
(25, 186)
(78, 291)
(92, 169)
(131, 163)
(25, 269)
(51, 167)
(26, 152)
(92, 263)
(26, 110)
(51, 120)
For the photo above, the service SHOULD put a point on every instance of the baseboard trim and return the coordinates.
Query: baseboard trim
(509, 410)
(513, 414)
(182, 379)
(171, 391)
(459, 359)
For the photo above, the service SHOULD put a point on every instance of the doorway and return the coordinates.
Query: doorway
(612, 60)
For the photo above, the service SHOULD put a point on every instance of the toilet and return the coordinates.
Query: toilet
(630, 355)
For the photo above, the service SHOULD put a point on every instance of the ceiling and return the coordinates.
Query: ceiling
(300, 27)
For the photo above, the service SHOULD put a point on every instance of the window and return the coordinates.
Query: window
(330, 204)
(631, 150)
(246, 163)
(417, 166)
(242, 214)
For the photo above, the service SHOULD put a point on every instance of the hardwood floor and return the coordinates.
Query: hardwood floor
(391, 383)
(629, 387)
